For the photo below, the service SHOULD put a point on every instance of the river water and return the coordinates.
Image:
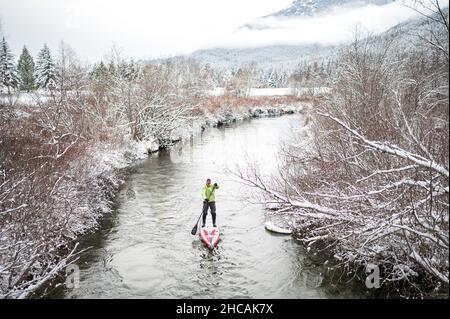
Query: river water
(145, 248)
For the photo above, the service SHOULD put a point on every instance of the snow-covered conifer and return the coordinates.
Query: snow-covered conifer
(9, 78)
(45, 72)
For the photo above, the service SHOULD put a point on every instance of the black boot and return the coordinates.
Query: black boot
(214, 220)
(205, 212)
(213, 213)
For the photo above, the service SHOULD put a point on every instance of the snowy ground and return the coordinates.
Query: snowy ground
(257, 92)
(33, 98)
(25, 98)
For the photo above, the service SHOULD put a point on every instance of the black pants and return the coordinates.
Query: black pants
(212, 206)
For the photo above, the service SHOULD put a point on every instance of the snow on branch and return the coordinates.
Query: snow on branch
(392, 149)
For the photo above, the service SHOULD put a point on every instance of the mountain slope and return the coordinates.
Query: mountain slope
(289, 56)
(280, 56)
(309, 8)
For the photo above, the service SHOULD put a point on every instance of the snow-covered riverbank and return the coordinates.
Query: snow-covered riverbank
(102, 170)
(109, 159)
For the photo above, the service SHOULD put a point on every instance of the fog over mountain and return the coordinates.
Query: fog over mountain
(306, 30)
(311, 8)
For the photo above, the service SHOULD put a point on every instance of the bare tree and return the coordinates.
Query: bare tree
(373, 181)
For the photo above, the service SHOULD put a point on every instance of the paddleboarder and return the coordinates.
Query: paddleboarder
(209, 201)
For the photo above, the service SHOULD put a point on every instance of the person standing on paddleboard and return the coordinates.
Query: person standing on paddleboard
(209, 201)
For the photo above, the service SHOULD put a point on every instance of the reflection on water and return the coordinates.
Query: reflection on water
(146, 250)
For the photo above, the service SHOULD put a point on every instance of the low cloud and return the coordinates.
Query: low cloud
(150, 29)
(144, 29)
(333, 28)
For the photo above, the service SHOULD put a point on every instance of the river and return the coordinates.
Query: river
(145, 248)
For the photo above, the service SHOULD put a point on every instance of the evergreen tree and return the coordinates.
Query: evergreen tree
(26, 70)
(9, 77)
(45, 72)
(129, 71)
(99, 71)
(111, 68)
(272, 78)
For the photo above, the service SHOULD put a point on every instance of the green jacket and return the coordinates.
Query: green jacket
(208, 193)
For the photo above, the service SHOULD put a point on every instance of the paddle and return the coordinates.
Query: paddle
(194, 230)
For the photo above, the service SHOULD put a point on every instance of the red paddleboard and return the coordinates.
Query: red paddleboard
(210, 236)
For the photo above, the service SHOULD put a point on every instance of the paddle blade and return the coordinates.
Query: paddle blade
(194, 230)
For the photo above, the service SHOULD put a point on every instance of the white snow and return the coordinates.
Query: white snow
(271, 92)
(286, 91)
(26, 98)
(276, 229)
(218, 91)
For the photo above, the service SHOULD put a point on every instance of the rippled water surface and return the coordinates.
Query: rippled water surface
(145, 249)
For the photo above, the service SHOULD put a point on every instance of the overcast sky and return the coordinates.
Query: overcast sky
(153, 28)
